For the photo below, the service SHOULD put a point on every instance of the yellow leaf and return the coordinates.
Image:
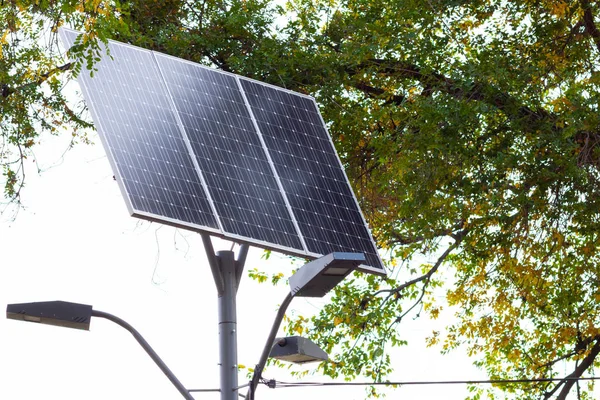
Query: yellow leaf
(559, 8)
(4, 39)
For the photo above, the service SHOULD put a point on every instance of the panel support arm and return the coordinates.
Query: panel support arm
(213, 263)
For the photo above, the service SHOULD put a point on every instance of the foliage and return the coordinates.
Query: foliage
(32, 68)
(470, 131)
(473, 127)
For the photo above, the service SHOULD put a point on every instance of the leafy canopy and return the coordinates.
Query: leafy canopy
(470, 130)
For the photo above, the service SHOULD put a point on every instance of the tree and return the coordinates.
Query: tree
(32, 101)
(470, 131)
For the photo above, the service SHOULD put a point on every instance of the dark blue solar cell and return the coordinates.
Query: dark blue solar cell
(135, 119)
(310, 172)
(238, 175)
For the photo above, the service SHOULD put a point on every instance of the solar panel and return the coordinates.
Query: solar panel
(238, 175)
(135, 119)
(214, 152)
(310, 171)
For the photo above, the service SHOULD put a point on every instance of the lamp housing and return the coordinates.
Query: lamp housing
(318, 277)
(298, 350)
(58, 313)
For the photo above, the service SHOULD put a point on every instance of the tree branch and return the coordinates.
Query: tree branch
(479, 91)
(7, 90)
(458, 238)
(569, 380)
(405, 240)
(374, 92)
(425, 277)
(589, 24)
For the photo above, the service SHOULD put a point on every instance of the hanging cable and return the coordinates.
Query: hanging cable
(279, 384)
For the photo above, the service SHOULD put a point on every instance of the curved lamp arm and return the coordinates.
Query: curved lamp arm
(267, 349)
(184, 392)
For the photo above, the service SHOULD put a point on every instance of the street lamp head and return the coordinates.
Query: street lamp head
(298, 350)
(59, 313)
(319, 276)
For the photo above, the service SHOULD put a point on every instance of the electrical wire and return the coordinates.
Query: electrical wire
(279, 384)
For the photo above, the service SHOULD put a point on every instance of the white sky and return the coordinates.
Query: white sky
(75, 242)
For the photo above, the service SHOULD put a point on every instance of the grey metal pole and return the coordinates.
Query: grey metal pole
(184, 392)
(228, 325)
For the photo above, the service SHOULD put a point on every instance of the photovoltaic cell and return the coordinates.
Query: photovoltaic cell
(238, 175)
(217, 153)
(134, 116)
(310, 171)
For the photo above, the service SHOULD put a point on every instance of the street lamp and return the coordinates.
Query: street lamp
(58, 313)
(73, 315)
(297, 350)
(313, 279)
(318, 277)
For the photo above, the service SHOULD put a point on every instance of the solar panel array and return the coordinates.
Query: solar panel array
(218, 153)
